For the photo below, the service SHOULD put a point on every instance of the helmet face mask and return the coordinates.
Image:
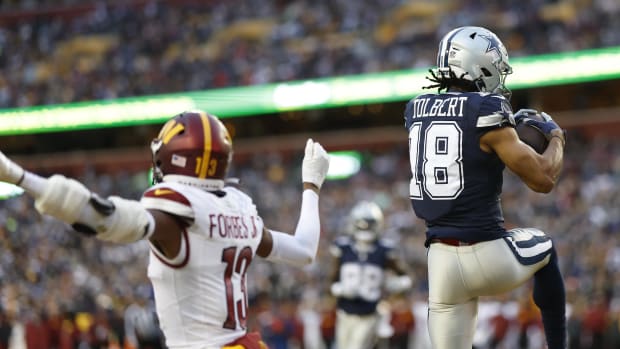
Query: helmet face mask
(193, 148)
(475, 54)
(366, 221)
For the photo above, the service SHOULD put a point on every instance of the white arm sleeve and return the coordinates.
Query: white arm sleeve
(299, 249)
(114, 219)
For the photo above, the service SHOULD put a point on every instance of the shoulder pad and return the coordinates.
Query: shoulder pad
(166, 193)
(408, 114)
(167, 199)
(241, 198)
(495, 112)
(499, 119)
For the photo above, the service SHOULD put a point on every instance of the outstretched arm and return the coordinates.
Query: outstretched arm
(113, 219)
(300, 248)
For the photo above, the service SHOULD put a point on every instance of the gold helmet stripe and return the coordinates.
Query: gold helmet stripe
(206, 156)
(170, 129)
(164, 130)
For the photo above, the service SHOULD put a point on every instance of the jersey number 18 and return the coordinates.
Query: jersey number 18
(440, 151)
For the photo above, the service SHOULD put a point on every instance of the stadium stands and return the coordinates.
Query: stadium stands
(66, 51)
(58, 290)
(46, 269)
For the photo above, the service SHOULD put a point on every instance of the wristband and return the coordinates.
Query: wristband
(561, 140)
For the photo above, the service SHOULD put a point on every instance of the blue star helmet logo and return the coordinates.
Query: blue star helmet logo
(494, 44)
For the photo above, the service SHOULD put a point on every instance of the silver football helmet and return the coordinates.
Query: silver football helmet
(366, 220)
(475, 54)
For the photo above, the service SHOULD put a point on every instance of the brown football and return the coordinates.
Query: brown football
(531, 135)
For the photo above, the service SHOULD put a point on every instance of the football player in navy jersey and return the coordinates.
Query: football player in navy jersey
(359, 278)
(460, 141)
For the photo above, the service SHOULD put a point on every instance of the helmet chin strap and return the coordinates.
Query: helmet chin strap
(208, 184)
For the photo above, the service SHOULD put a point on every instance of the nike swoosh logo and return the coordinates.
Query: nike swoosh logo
(159, 192)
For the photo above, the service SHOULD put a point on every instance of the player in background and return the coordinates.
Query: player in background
(361, 260)
(202, 234)
(142, 329)
(460, 141)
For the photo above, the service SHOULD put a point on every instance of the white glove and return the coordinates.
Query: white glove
(10, 172)
(398, 283)
(338, 289)
(315, 164)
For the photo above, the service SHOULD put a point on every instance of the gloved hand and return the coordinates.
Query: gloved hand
(339, 289)
(524, 113)
(398, 283)
(315, 164)
(545, 126)
(10, 172)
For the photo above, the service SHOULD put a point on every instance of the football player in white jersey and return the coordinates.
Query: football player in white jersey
(202, 233)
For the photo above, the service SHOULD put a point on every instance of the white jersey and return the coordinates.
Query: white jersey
(201, 294)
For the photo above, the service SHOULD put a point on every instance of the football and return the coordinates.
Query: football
(531, 135)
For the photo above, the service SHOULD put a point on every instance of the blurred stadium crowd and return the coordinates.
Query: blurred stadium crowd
(65, 289)
(59, 290)
(57, 51)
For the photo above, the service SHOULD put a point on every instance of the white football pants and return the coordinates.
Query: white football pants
(355, 331)
(457, 276)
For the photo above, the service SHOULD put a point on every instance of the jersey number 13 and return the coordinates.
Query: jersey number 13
(236, 263)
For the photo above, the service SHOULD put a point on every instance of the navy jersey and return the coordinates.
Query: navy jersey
(455, 186)
(365, 270)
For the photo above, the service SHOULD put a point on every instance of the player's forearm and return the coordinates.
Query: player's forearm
(554, 158)
(33, 184)
(300, 249)
(538, 172)
(308, 227)
(114, 219)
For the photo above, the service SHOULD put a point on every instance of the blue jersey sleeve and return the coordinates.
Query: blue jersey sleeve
(495, 112)
(408, 113)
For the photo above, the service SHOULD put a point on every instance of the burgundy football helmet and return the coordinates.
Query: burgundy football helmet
(192, 148)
